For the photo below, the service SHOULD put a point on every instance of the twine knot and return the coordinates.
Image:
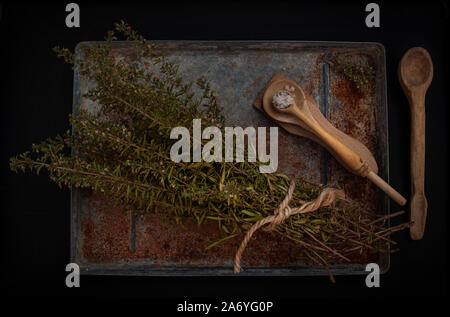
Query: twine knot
(283, 212)
(280, 216)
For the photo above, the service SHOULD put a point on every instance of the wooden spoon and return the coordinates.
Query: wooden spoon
(297, 113)
(296, 128)
(415, 73)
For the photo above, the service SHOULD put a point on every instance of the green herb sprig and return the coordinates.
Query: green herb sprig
(360, 73)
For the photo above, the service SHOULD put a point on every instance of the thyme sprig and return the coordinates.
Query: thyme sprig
(360, 74)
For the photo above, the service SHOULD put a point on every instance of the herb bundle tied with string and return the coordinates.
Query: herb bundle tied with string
(122, 150)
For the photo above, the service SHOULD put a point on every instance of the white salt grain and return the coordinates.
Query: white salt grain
(282, 100)
(289, 88)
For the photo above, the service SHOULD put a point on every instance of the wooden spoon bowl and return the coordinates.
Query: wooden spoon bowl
(285, 115)
(416, 69)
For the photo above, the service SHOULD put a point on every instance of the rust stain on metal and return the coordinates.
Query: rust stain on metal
(353, 112)
(159, 241)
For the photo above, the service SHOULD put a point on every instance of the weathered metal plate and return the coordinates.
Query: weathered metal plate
(108, 240)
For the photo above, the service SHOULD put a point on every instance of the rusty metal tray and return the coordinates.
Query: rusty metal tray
(108, 241)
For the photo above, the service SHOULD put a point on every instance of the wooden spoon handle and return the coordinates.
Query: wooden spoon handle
(418, 204)
(350, 159)
(359, 167)
(391, 192)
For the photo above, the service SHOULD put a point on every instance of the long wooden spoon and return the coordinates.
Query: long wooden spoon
(298, 113)
(415, 72)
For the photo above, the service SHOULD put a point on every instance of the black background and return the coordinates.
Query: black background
(37, 98)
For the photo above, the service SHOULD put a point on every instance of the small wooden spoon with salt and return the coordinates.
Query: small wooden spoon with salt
(295, 112)
(415, 72)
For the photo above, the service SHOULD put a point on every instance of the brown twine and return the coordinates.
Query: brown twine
(326, 197)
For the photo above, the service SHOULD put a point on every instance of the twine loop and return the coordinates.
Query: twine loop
(283, 212)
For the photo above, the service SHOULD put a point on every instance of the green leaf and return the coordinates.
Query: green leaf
(212, 245)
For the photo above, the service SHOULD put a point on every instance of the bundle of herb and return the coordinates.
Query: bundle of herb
(122, 150)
